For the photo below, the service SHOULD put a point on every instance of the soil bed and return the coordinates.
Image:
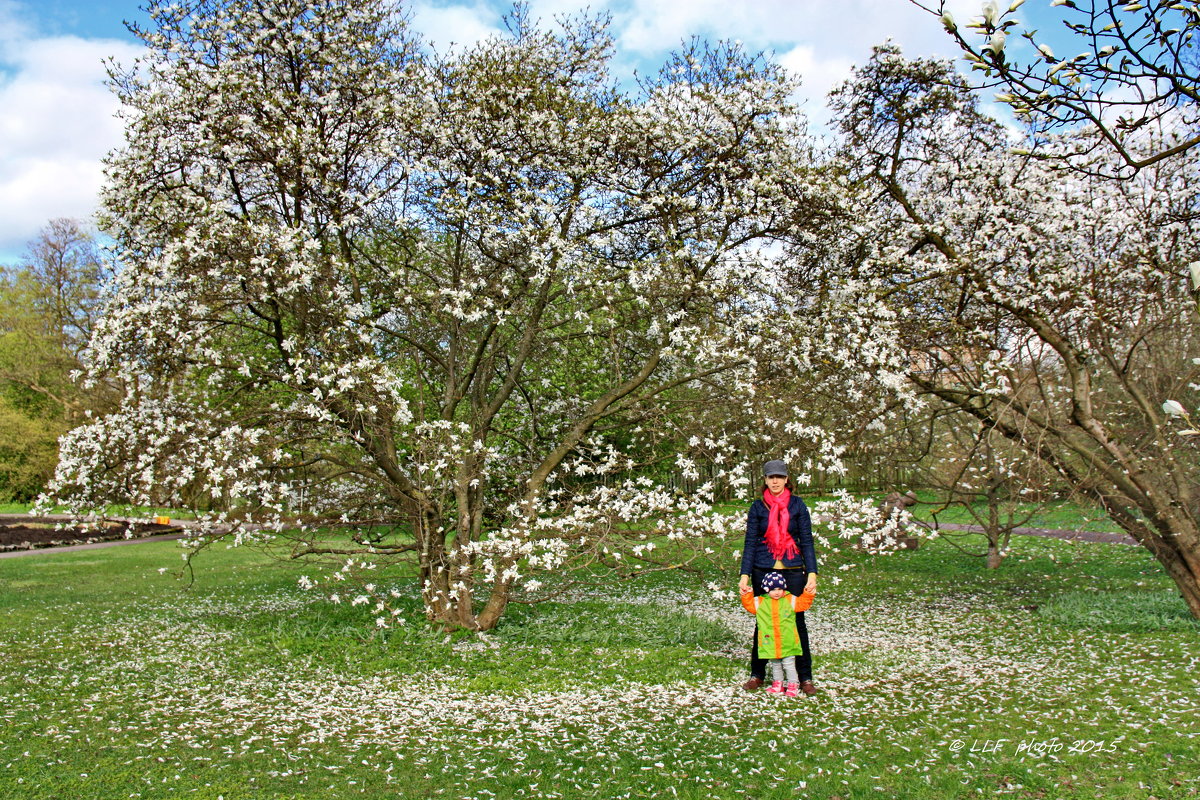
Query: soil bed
(28, 533)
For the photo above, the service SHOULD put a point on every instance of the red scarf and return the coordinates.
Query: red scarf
(779, 541)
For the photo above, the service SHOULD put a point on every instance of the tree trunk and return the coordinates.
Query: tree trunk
(1186, 578)
(1175, 543)
(993, 551)
(497, 603)
(441, 600)
(992, 529)
(448, 602)
(1180, 556)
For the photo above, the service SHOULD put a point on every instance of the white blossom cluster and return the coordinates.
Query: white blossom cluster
(860, 521)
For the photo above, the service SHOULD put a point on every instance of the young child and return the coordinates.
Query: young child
(777, 637)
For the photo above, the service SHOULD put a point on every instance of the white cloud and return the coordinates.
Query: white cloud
(454, 25)
(818, 76)
(846, 29)
(650, 26)
(57, 124)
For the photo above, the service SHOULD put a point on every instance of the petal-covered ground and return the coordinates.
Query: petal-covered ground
(930, 685)
(945, 694)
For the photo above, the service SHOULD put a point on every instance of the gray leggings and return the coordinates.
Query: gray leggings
(784, 666)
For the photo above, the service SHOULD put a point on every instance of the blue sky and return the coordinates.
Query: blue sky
(90, 18)
(58, 116)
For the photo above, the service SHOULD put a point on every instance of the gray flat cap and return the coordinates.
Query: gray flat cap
(776, 467)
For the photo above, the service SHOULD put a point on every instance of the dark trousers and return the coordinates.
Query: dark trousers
(795, 579)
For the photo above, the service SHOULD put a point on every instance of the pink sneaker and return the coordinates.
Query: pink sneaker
(775, 688)
(793, 690)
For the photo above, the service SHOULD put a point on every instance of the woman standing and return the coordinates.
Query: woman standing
(779, 539)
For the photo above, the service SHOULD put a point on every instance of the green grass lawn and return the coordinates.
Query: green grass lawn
(1070, 672)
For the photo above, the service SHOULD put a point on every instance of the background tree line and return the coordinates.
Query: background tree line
(48, 306)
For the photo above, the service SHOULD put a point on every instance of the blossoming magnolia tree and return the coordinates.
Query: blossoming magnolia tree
(1052, 307)
(467, 298)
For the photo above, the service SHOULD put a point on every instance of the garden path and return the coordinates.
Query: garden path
(1054, 533)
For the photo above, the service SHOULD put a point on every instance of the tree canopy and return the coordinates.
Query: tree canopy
(477, 308)
(1054, 309)
(48, 304)
(461, 295)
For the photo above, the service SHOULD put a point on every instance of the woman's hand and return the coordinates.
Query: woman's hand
(810, 587)
(744, 584)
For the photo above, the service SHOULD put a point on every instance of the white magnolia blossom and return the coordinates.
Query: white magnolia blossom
(859, 520)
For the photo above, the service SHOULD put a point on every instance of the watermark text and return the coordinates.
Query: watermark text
(1033, 747)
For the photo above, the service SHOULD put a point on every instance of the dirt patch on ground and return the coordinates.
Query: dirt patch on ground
(29, 533)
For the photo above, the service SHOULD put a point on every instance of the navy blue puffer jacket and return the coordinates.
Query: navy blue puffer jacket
(755, 553)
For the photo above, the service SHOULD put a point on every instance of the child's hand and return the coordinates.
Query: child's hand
(745, 589)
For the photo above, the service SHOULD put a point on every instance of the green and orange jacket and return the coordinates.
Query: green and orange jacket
(777, 637)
